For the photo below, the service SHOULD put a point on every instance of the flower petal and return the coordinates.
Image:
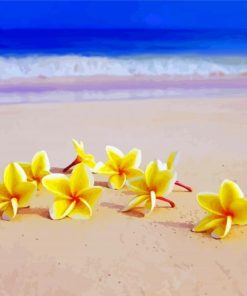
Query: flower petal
(172, 160)
(27, 169)
(24, 192)
(223, 229)
(79, 147)
(164, 182)
(91, 195)
(133, 173)
(13, 175)
(209, 222)
(150, 203)
(136, 201)
(82, 210)
(61, 208)
(239, 211)
(11, 211)
(40, 163)
(4, 205)
(57, 184)
(89, 160)
(114, 154)
(151, 173)
(117, 181)
(229, 191)
(4, 194)
(81, 178)
(210, 202)
(104, 168)
(138, 185)
(132, 159)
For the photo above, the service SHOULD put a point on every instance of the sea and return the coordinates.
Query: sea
(163, 55)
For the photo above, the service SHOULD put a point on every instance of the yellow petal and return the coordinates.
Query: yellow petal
(114, 154)
(159, 181)
(162, 165)
(209, 222)
(133, 173)
(79, 147)
(238, 209)
(210, 202)
(151, 173)
(11, 211)
(105, 169)
(117, 181)
(172, 160)
(57, 184)
(61, 208)
(81, 178)
(13, 175)
(136, 201)
(91, 195)
(164, 182)
(223, 229)
(132, 159)
(4, 205)
(89, 160)
(28, 170)
(4, 194)
(24, 192)
(138, 185)
(40, 163)
(150, 203)
(82, 210)
(229, 191)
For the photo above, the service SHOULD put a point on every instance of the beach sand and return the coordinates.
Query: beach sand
(127, 254)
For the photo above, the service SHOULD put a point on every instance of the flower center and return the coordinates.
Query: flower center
(121, 171)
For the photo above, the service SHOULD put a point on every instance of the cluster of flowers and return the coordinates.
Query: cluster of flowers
(75, 196)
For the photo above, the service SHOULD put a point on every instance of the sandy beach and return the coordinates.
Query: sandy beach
(118, 253)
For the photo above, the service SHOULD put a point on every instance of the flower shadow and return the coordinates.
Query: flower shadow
(42, 212)
(187, 225)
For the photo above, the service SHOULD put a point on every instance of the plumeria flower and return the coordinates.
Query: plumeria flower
(38, 168)
(170, 164)
(75, 196)
(15, 191)
(155, 183)
(226, 208)
(81, 156)
(120, 167)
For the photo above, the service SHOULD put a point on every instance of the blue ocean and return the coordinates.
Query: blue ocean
(77, 52)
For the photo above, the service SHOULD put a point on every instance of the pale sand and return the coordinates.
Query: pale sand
(127, 254)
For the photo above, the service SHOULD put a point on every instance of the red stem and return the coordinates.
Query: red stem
(76, 161)
(188, 188)
(172, 204)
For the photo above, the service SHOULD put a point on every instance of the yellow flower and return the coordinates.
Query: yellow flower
(120, 167)
(170, 164)
(225, 208)
(15, 191)
(152, 185)
(39, 167)
(81, 156)
(75, 196)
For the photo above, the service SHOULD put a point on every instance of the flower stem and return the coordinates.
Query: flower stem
(188, 188)
(172, 204)
(76, 161)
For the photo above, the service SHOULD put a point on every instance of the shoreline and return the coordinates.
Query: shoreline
(104, 83)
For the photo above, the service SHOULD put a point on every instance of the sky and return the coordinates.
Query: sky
(123, 14)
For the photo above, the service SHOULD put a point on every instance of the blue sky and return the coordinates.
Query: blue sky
(123, 14)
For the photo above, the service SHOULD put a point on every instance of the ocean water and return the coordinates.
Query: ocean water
(162, 58)
(81, 53)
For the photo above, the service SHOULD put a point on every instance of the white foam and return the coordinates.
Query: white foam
(62, 66)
